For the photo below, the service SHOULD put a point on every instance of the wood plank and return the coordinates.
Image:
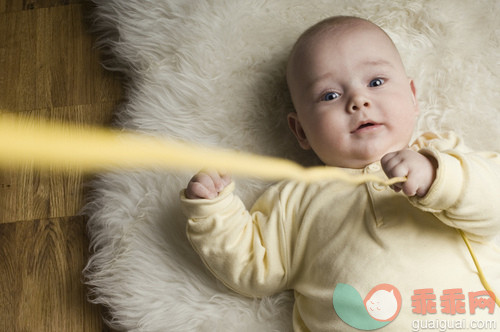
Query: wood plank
(40, 277)
(18, 60)
(29, 194)
(47, 61)
(18, 5)
(48, 69)
(67, 47)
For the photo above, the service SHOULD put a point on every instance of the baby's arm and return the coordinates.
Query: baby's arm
(244, 249)
(464, 193)
(419, 170)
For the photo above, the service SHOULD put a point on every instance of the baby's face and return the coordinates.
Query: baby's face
(353, 100)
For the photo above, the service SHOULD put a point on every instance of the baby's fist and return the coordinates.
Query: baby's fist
(207, 185)
(419, 170)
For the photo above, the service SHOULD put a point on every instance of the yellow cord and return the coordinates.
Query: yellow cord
(50, 145)
(57, 146)
(478, 268)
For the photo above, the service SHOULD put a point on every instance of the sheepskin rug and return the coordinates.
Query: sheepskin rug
(212, 71)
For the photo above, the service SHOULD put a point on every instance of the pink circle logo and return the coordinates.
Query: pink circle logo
(383, 302)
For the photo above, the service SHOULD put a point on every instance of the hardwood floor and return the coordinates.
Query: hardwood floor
(48, 69)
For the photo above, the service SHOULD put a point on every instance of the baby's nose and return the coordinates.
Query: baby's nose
(358, 103)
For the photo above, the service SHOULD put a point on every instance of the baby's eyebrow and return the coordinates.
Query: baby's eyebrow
(312, 85)
(378, 63)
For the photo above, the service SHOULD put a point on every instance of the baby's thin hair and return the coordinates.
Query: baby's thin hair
(329, 24)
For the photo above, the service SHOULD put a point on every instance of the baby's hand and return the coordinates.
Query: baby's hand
(207, 185)
(419, 170)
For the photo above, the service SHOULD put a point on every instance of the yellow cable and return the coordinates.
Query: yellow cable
(52, 145)
(478, 268)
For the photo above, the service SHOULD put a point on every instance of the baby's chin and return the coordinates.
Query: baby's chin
(363, 160)
(354, 163)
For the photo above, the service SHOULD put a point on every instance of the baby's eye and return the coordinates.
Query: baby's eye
(376, 82)
(330, 96)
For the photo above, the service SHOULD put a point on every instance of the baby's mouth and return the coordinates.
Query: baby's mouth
(369, 124)
(364, 125)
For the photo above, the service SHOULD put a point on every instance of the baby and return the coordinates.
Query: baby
(356, 108)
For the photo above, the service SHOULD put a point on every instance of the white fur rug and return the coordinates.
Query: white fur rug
(212, 71)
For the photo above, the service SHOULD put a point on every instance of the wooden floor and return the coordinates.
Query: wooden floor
(48, 69)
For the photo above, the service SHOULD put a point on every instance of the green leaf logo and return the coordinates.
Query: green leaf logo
(380, 306)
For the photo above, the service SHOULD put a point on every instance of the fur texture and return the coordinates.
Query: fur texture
(212, 71)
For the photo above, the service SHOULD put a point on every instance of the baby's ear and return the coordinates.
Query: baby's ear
(298, 131)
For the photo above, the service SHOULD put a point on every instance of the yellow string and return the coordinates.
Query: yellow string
(52, 145)
(485, 283)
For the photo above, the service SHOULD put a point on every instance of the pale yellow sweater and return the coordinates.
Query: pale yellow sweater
(310, 237)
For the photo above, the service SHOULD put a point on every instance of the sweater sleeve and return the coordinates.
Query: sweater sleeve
(244, 249)
(466, 191)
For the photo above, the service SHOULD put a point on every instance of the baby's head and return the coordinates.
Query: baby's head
(353, 100)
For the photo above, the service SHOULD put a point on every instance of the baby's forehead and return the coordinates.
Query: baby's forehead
(309, 47)
(331, 25)
(338, 32)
